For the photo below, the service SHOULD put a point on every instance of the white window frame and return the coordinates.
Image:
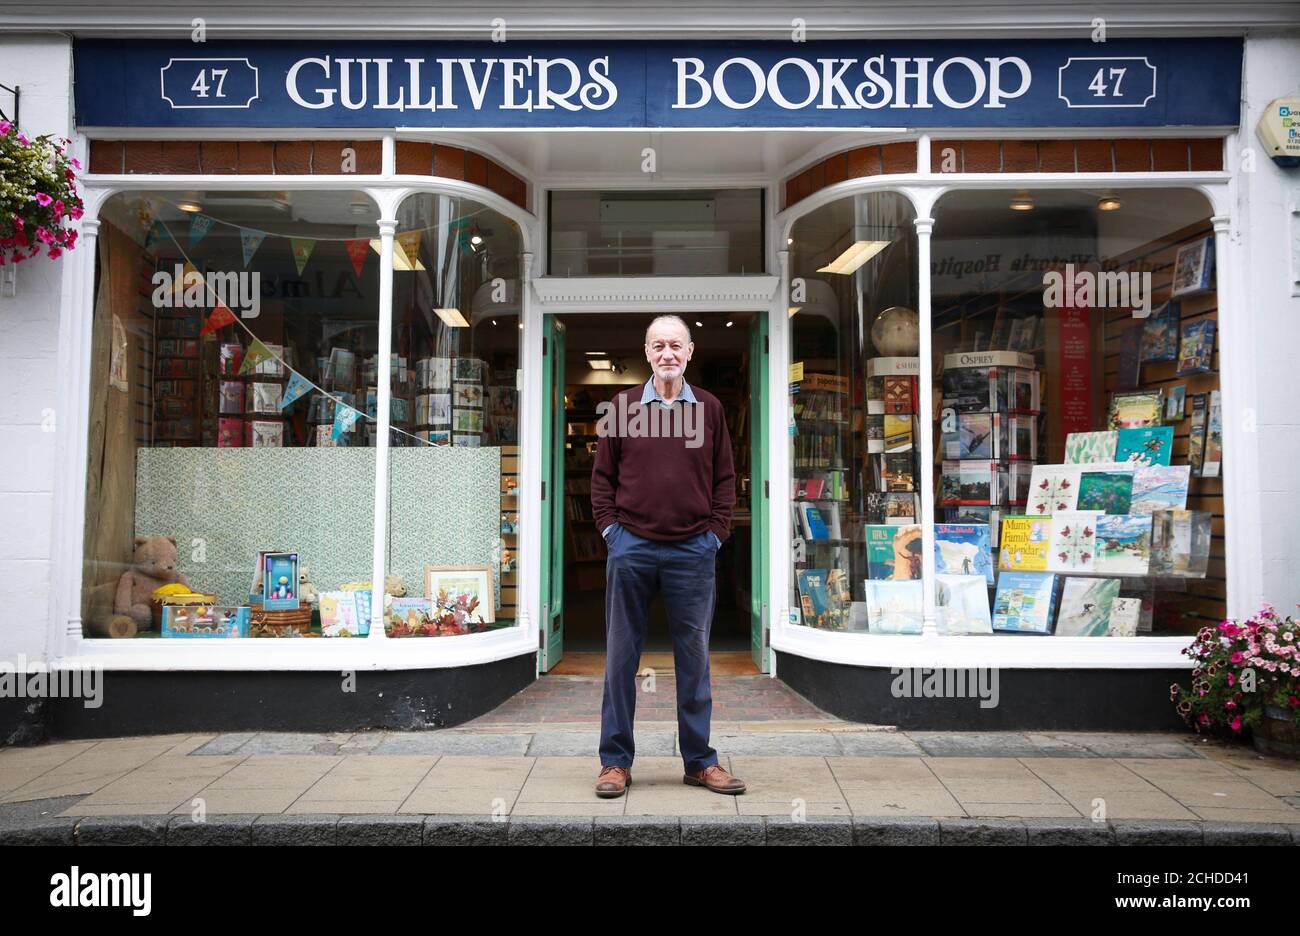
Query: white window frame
(68, 645)
(923, 189)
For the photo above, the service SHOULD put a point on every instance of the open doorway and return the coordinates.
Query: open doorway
(602, 355)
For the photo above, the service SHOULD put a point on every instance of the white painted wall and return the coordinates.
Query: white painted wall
(29, 331)
(1264, 199)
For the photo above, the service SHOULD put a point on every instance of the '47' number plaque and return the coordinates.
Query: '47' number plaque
(189, 83)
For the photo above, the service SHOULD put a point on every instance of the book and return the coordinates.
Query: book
(230, 433)
(892, 508)
(1213, 452)
(893, 551)
(266, 433)
(266, 398)
(1085, 606)
(975, 389)
(340, 615)
(1180, 543)
(1128, 372)
(1193, 266)
(1196, 350)
(1138, 408)
(815, 601)
(1160, 333)
(1024, 602)
(1053, 488)
(1176, 403)
(898, 433)
(1123, 544)
(1108, 491)
(1159, 487)
(1022, 437)
(1198, 431)
(962, 604)
(812, 522)
(963, 549)
(1149, 445)
(1082, 448)
(973, 482)
(1023, 390)
(897, 472)
(1074, 541)
(899, 395)
(1124, 614)
(893, 607)
(1024, 543)
(231, 397)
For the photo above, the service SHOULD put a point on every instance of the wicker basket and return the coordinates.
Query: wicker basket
(177, 601)
(264, 623)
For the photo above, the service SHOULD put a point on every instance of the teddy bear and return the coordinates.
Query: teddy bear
(307, 592)
(152, 566)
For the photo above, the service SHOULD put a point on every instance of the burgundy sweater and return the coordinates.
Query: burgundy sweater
(660, 488)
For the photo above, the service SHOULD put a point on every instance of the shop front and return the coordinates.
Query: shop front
(343, 314)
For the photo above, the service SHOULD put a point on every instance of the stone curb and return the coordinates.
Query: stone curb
(629, 830)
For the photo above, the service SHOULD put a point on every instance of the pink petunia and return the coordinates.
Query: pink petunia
(1237, 658)
(5, 127)
(23, 140)
(43, 200)
(1235, 724)
(55, 253)
(76, 163)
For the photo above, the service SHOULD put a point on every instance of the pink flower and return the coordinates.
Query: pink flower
(23, 140)
(55, 253)
(44, 236)
(43, 200)
(58, 208)
(1236, 658)
(1235, 724)
(5, 127)
(75, 212)
(76, 164)
(1230, 705)
(1232, 680)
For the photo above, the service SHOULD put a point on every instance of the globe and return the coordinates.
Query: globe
(895, 332)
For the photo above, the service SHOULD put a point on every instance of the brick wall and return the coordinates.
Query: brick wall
(301, 157)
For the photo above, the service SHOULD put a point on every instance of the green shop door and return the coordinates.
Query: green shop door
(759, 495)
(551, 636)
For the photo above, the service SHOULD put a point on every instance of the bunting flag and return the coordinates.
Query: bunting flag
(357, 251)
(462, 232)
(255, 355)
(302, 248)
(200, 224)
(409, 241)
(297, 386)
(221, 317)
(345, 419)
(250, 240)
(183, 282)
(157, 232)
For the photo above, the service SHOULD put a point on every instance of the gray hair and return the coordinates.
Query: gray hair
(668, 318)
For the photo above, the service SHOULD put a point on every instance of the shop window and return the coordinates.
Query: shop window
(235, 336)
(854, 441)
(453, 472)
(638, 233)
(1078, 462)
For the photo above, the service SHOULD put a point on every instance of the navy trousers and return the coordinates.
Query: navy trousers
(683, 572)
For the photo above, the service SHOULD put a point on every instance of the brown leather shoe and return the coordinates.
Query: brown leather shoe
(716, 778)
(613, 781)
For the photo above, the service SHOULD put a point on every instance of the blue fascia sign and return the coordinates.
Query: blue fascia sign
(857, 84)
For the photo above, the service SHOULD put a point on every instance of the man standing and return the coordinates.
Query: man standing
(662, 490)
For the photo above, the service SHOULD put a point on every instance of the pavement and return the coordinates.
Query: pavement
(811, 780)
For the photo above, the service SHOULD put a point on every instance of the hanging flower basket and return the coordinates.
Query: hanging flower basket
(38, 196)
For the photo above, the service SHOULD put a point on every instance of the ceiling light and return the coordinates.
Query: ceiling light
(699, 324)
(190, 203)
(401, 261)
(1021, 201)
(494, 321)
(729, 324)
(789, 241)
(1109, 202)
(594, 353)
(476, 240)
(600, 364)
(857, 253)
(451, 317)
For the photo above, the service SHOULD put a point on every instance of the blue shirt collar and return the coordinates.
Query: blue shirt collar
(650, 394)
